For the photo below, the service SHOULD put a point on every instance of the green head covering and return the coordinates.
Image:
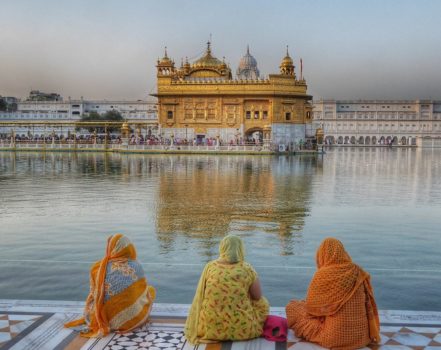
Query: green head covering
(231, 249)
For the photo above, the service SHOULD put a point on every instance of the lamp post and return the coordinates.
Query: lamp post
(186, 126)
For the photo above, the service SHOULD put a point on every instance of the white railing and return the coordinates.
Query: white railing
(54, 146)
(115, 146)
(188, 148)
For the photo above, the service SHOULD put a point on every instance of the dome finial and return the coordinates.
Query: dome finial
(287, 52)
(208, 46)
(248, 49)
(165, 51)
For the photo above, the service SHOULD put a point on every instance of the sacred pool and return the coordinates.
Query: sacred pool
(57, 209)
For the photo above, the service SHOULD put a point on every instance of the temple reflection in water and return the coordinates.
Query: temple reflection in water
(214, 196)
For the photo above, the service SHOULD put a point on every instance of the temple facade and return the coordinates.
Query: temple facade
(202, 100)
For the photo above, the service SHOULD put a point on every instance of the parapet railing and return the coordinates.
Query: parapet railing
(124, 147)
(194, 148)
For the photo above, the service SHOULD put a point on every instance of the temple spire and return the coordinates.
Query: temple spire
(209, 46)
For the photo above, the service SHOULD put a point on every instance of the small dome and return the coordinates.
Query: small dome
(247, 67)
(287, 60)
(287, 65)
(247, 61)
(165, 60)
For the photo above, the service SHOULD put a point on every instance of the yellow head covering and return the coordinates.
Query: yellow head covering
(231, 249)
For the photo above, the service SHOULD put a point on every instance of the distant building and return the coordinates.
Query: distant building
(36, 95)
(372, 122)
(135, 112)
(247, 67)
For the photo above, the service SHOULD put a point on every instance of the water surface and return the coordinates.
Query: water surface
(56, 210)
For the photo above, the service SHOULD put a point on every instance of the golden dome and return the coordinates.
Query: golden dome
(287, 60)
(207, 60)
(287, 65)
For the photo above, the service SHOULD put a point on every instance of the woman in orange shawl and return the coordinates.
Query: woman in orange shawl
(120, 299)
(339, 311)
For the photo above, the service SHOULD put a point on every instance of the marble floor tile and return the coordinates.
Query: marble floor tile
(5, 336)
(411, 339)
(437, 338)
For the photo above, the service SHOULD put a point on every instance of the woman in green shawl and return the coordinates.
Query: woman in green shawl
(228, 304)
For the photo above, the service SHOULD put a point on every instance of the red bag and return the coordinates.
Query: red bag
(275, 328)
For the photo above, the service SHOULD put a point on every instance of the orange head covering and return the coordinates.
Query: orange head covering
(335, 282)
(119, 248)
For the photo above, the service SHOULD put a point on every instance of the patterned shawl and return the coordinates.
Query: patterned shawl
(120, 299)
(231, 250)
(335, 282)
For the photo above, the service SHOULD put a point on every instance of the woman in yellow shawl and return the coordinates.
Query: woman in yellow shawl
(228, 304)
(120, 299)
(339, 311)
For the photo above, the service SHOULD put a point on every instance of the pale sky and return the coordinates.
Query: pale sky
(351, 49)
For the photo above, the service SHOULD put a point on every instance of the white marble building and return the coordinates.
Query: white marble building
(139, 112)
(373, 122)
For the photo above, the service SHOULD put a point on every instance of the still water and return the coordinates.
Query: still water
(57, 209)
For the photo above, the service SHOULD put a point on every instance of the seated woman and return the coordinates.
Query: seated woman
(119, 299)
(228, 304)
(340, 310)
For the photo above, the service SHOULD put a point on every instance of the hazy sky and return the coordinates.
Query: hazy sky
(108, 48)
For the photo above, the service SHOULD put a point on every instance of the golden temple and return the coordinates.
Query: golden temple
(202, 100)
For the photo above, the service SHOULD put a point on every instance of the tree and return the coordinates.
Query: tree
(3, 104)
(109, 116)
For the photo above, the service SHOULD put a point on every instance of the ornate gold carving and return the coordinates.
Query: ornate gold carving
(204, 93)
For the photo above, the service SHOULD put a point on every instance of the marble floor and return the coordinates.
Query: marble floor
(32, 325)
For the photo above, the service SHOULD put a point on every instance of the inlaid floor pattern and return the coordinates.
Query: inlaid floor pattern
(41, 328)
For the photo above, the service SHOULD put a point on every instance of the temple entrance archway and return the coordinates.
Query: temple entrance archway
(254, 136)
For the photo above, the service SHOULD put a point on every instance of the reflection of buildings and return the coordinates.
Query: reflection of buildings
(209, 197)
(378, 169)
(202, 100)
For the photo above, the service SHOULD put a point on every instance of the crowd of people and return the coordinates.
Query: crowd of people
(339, 311)
(133, 140)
